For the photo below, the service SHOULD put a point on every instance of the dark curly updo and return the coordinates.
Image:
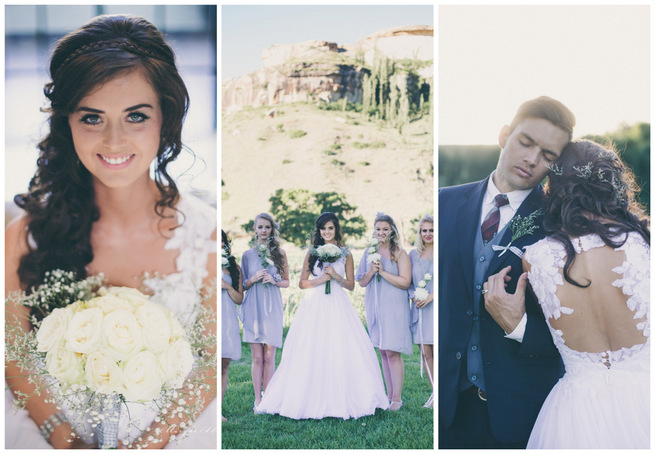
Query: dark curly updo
(60, 202)
(589, 190)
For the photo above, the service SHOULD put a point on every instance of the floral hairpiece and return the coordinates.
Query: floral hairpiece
(587, 173)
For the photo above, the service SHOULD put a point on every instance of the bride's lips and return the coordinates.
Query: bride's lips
(116, 162)
(523, 172)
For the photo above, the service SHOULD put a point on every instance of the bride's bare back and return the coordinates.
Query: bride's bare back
(611, 313)
(601, 319)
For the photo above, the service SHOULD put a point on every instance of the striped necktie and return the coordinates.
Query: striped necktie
(490, 224)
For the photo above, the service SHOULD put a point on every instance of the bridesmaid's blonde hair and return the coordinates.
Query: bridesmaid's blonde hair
(394, 238)
(419, 244)
(274, 242)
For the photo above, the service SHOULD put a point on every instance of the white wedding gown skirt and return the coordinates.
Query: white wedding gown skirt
(329, 367)
(597, 407)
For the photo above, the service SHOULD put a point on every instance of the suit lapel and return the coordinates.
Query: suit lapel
(531, 204)
(468, 218)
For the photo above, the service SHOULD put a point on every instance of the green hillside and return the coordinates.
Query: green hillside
(302, 146)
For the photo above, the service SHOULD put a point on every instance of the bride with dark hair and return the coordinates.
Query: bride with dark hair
(117, 104)
(591, 275)
(328, 366)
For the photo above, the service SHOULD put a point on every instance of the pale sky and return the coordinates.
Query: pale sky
(594, 59)
(247, 30)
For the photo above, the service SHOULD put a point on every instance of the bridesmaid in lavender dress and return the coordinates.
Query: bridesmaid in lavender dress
(387, 304)
(261, 311)
(422, 309)
(231, 294)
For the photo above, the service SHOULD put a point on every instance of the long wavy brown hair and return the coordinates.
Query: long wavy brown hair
(60, 202)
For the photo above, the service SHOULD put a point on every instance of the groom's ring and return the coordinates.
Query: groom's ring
(484, 290)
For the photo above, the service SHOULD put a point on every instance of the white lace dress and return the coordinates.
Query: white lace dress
(175, 291)
(602, 401)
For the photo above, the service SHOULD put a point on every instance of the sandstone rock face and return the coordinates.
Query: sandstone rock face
(321, 70)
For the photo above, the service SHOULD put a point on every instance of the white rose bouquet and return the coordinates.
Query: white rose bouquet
(108, 346)
(328, 253)
(373, 255)
(421, 292)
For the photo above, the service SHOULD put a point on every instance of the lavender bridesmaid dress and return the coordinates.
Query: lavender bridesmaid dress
(387, 310)
(422, 320)
(261, 311)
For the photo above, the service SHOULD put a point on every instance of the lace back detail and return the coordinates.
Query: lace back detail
(547, 258)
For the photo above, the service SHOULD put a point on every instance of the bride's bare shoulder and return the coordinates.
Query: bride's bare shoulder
(15, 248)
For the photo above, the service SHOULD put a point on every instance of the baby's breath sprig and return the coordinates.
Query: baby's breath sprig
(521, 226)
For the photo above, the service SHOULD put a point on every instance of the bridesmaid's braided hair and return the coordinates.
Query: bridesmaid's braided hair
(60, 203)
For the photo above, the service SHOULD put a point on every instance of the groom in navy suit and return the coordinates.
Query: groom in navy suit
(497, 361)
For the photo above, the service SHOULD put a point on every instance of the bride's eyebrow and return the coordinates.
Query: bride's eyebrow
(138, 106)
(129, 109)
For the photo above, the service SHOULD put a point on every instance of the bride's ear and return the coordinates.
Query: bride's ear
(503, 135)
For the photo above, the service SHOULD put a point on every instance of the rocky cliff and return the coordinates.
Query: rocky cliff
(321, 70)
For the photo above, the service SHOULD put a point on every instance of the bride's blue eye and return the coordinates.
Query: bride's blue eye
(137, 117)
(90, 119)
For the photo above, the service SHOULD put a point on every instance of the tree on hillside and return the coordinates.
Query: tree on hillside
(296, 211)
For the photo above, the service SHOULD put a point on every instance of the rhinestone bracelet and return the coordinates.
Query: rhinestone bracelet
(50, 424)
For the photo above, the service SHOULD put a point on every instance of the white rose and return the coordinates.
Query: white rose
(53, 329)
(224, 262)
(373, 258)
(129, 294)
(177, 330)
(427, 277)
(177, 362)
(64, 364)
(155, 326)
(110, 303)
(421, 294)
(373, 241)
(83, 333)
(122, 334)
(102, 373)
(141, 377)
(422, 284)
(270, 262)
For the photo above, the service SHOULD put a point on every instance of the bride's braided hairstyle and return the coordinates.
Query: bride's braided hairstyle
(60, 203)
(589, 190)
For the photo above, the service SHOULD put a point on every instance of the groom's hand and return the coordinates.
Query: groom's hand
(506, 309)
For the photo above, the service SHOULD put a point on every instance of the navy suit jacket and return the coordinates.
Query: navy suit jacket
(518, 376)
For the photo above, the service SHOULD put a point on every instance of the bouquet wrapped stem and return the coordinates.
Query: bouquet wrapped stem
(108, 433)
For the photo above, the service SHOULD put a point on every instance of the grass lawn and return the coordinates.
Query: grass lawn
(410, 428)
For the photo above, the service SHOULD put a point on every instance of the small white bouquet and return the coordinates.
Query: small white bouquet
(373, 254)
(421, 291)
(264, 252)
(328, 253)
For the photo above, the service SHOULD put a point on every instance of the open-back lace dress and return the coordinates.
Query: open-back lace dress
(602, 401)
